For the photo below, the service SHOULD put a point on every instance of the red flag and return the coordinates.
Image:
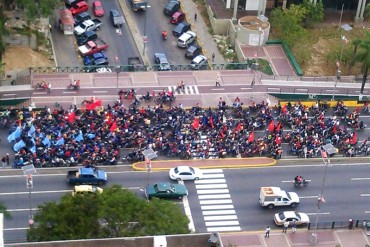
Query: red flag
(277, 140)
(278, 127)
(211, 122)
(271, 126)
(357, 110)
(71, 117)
(195, 123)
(284, 110)
(238, 127)
(222, 134)
(93, 105)
(353, 140)
(114, 126)
(335, 128)
(251, 137)
(299, 144)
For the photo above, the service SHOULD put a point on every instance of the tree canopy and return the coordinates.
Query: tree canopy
(115, 212)
(362, 56)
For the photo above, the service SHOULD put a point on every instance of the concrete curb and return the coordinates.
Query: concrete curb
(136, 166)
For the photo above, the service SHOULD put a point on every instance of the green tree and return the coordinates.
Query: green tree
(315, 13)
(362, 56)
(115, 212)
(287, 24)
(4, 211)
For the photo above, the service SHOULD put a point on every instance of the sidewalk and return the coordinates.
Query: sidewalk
(204, 38)
(301, 238)
(206, 164)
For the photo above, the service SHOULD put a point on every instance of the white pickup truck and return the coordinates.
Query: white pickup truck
(274, 197)
(88, 25)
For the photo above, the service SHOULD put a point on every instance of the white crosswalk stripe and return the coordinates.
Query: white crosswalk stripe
(191, 89)
(215, 202)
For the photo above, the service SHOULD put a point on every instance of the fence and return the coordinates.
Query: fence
(338, 224)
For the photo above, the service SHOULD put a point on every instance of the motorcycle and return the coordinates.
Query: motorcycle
(302, 183)
(73, 87)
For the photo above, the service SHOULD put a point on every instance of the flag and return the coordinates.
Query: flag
(60, 134)
(251, 137)
(114, 126)
(15, 134)
(238, 127)
(19, 145)
(93, 105)
(46, 142)
(79, 137)
(211, 122)
(71, 117)
(195, 123)
(33, 149)
(91, 135)
(284, 110)
(353, 140)
(278, 127)
(60, 142)
(335, 128)
(277, 140)
(271, 126)
(31, 131)
(299, 144)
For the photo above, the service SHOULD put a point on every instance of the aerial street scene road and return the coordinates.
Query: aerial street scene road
(185, 123)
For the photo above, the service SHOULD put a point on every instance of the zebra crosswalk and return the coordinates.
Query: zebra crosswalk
(192, 89)
(215, 202)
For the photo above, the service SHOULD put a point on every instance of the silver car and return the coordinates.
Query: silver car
(186, 39)
(198, 62)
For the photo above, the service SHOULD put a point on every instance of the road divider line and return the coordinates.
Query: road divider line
(9, 94)
(246, 88)
(308, 197)
(21, 209)
(365, 195)
(218, 89)
(325, 213)
(100, 91)
(71, 92)
(34, 192)
(359, 179)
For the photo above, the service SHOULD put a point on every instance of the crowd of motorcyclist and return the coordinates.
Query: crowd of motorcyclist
(226, 131)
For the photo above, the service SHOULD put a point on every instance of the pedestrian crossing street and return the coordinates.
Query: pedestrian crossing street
(193, 89)
(215, 201)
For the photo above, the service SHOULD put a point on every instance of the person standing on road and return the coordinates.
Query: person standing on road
(294, 226)
(213, 57)
(285, 226)
(267, 234)
(218, 81)
(195, 16)
(7, 159)
(3, 161)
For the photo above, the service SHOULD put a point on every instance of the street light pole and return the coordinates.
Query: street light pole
(117, 69)
(326, 151)
(29, 184)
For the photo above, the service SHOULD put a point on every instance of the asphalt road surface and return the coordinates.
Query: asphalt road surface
(237, 190)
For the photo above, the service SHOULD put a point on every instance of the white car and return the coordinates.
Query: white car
(289, 216)
(198, 62)
(185, 173)
(186, 39)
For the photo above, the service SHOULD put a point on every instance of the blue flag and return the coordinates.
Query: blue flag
(91, 135)
(19, 145)
(79, 137)
(60, 133)
(31, 131)
(60, 141)
(46, 142)
(33, 149)
(15, 134)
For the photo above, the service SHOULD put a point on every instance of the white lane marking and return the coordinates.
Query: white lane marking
(308, 197)
(292, 181)
(196, 90)
(205, 176)
(367, 212)
(34, 192)
(210, 186)
(187, 210)
(326, 213)
(39, 93)
(223, 223)
(221, 217)
(70, 92)
(218, 196)
(21, 209)
(225, 201)
(224, 229)
(16, 229)
(202, 192)
(210, 181)
(217, 207)
(365, 195)
(9, 94)
(218, 89)
(359, 179)
(245, 88)
(216, 212)
(212, 171)
(100, 91)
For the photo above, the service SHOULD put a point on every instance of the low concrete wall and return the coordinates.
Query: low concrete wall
(219, 26)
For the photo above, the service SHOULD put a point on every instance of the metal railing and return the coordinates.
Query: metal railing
(339, 224)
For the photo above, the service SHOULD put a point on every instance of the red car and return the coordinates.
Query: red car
(79, 8)
(98, 9)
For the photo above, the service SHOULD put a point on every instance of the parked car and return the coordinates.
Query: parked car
(185, 173)
(193, 51)
(171, 7)
(289, 216)
(70, 3)
(186, 39)
(180, 29)
(81, 17)
(198, 62)
(86, 37)
(116, 18)
(177, 17)
(166, 190)
(79, 8)
(82, 189)
(88, 25)
(90, 60)
(98, 9)
(161, 60)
